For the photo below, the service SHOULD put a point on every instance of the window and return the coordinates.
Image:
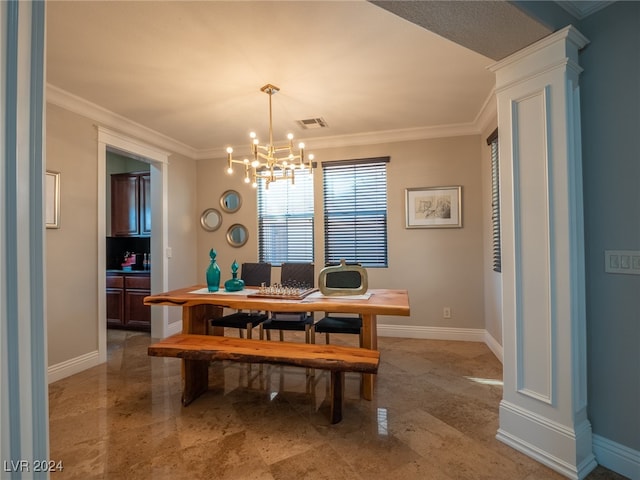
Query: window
(285, 220)
(492, 141)
(355, 211)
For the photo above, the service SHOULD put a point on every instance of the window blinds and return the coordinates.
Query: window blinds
(355, 211)
(495, 202)
(285, 220)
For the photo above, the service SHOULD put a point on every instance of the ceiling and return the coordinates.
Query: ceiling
(188, 74)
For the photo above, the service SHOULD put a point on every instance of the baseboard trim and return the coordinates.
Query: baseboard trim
(493, 345)
(173, 328)
(432, 333)
(72, 366)
(616, 457)
(443, 333)
(529, 432)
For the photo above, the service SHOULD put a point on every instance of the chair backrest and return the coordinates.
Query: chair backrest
(255, 274)
(297, 274)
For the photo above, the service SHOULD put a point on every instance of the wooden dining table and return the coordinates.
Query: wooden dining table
(200, 306)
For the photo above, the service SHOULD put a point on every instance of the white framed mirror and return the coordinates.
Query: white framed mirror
(211, 219)
(230, 201)
(237, 235)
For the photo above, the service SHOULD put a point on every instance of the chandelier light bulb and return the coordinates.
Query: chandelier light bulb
(229, 170)
(271, 161)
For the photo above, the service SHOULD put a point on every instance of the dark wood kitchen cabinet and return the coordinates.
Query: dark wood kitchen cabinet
(131, 204)
(145, 204)
(125, 300)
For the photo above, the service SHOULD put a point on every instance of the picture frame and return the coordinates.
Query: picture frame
(434, 207)
(52, 199)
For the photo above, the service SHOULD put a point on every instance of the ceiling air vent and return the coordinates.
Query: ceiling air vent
(312, 123)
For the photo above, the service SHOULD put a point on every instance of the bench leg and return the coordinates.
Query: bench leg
(337, 396)
(195, 380)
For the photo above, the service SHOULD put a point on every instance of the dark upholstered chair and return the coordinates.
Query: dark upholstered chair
(332, 323)
(253, 275)
(293, 275)
(339, 324)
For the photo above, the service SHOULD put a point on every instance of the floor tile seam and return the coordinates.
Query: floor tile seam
(336, 454)
(480, 445)
(306, 451)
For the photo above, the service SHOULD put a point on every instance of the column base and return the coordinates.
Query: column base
(566, 450)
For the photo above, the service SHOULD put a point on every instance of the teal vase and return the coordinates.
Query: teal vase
(234, 284)
(213, 273)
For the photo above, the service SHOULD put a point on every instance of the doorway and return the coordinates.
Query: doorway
(128, 242)
(115, 142)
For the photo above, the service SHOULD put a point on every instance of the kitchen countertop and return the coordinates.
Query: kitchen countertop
(129, 272)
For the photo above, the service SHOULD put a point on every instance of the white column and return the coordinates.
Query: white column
(24, 434)
(543, 412)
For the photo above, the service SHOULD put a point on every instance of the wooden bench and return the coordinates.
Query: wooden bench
(203, 349)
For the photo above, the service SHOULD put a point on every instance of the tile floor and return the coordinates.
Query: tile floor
(434, 417)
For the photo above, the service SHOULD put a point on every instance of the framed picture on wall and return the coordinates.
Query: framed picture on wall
(434, 207)
(52, 199)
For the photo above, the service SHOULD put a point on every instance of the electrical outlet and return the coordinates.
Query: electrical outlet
(446, 312)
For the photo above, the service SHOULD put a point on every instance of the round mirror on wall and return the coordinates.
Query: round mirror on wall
(237, 235)
(230, 201)
(211, 219)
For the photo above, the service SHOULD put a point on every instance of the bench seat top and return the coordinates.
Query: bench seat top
(211, 347)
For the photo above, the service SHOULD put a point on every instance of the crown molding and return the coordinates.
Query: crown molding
(487, 118)
(392, 136)
(582, 9)
(108, 119)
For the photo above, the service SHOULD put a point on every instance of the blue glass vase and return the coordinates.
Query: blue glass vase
(234, 284)
(213, 273)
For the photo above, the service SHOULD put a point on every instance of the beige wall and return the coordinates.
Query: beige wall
(439, 267)
(71, 250)
(212, 182)
(492, 280)
(182, 219)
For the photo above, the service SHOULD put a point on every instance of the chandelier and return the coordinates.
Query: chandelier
(270, 161)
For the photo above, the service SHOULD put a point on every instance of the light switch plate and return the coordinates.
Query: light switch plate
(622, 261)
